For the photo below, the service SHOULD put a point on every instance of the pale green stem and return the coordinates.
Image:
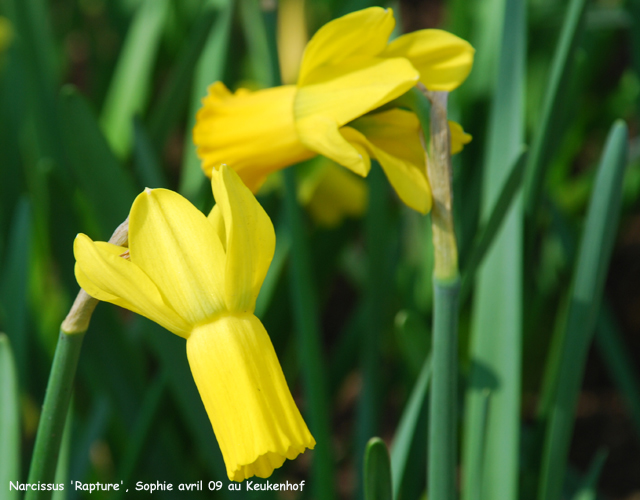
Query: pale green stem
(54, 414)
(446, 284)
(63, 370)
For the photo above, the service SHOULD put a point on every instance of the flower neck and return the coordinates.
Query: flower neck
(222, 316)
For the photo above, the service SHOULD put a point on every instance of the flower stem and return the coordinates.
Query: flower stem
(442, 415)
(63, 371)
(439, 174)
(446, 286)
(54, 413)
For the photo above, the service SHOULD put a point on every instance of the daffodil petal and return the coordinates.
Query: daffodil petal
(88, 286)
(106, 276)
(358, 35)
(252, 132)
(393, 138)
(250, 240)
(443, 59)
(217, 221)
(179, 249)
(349, 90)
(458, 137)
(253, 415)
(322, 135)
(347, 93)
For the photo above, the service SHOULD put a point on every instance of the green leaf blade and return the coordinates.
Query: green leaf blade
(13, 285)
(128, 91)
(407, 427)
(167, 111)
(210, 69)
(556, 92)
(588, 282)
(9, 419)
(496, 342)
(493, 225)
(619, 362)
(109, 188)
(377, 471)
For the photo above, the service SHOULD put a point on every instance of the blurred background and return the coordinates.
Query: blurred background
(97, 101)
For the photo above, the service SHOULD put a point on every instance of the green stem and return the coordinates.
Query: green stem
(62, 470)
(309, 345)
(441, 472)
(440, 177)
(406, 430)
(54, 413)
(60, 385)
(442, 414)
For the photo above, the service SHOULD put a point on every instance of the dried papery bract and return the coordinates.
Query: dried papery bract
(440, 178)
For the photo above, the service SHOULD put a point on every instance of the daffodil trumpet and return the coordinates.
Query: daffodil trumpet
(348, 74)
(199, 277)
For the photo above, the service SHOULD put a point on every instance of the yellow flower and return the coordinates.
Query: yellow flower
(199, 278)
(331, 193)
(348, 71)
(458, 137)
(6, 34)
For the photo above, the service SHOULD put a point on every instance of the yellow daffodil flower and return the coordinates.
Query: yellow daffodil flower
(199, 277)
(348, 71)
(331, 193)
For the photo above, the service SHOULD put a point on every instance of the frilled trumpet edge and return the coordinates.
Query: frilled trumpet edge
(246, 396)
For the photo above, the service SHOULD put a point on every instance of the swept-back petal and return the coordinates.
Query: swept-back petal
(252, 132)
(443, 60)
(393, 138)
(345, 93)
(105, 275)
(322, 135)
(358, 35)
(250, 240)
(458, 137)
(246, 396)
(179, 249)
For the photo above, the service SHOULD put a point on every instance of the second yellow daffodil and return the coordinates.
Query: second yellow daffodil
(6, 34)
(349, 70)
(199, 277)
